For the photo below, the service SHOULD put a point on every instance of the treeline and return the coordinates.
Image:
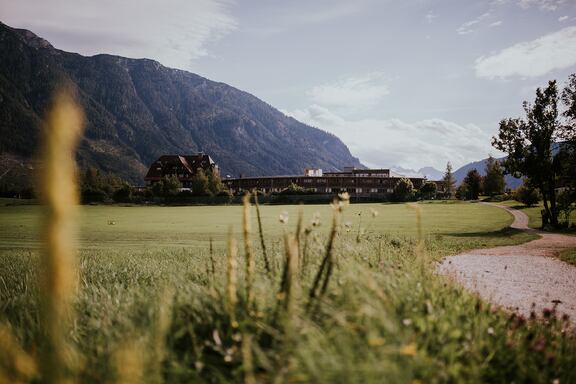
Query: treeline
(96, 187)
(474, 184)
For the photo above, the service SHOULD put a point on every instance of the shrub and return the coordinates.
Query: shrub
(403, 190)
(527, 195)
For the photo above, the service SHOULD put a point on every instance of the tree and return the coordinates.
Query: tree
(449, 182)
(167, 187)
(428, 190)
(527, 195)
(568, 135)
(494, 183)
(473, 180)
(403, 190)
(215, 185)
(200, 183)
(123, 194)
(529, 143)
(462, 191)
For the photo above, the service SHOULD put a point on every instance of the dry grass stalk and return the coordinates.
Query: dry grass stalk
(128, 362)
(231, 267)
(16, 366)
(161, 327)
(247, 361)
(213, 265)
(261, 233)
(248, 252)
(59, 193)
(325, 271)
(291, 286)
(419, 251)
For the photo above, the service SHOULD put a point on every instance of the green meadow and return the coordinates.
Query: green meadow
(154, 294)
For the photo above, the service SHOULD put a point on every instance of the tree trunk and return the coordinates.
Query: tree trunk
(553, 209)
(546, 206)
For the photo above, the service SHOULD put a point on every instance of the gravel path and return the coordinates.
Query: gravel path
(521, 276)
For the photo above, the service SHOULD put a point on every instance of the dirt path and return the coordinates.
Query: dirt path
(520, 276)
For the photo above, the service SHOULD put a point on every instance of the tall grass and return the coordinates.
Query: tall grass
(359, 307)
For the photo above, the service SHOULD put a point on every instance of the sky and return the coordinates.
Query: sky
(404, 83)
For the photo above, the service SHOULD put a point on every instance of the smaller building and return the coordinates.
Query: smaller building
(184, 167)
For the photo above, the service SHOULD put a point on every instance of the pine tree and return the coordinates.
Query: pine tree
(494, 183)
(449, 182)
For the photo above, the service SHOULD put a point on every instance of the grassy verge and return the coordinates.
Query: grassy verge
(384, 312)
(569, 256)
(533, 213)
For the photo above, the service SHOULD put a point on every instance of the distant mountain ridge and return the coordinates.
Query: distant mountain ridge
(137, 110)
(480, 166)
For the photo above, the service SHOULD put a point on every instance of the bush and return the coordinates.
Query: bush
(403, 190)
(527, 196)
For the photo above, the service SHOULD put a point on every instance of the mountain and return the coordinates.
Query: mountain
(431, 173)
(137, 110)
(480, 166)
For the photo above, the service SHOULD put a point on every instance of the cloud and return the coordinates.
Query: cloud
(496, 24)
(430, 16)
(175, 32)
(356, 92)
(388, 142)
(563, 18)
(467, 27)
(531, 59)
(544, 5)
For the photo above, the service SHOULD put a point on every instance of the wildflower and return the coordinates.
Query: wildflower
(407, 322)
(283, 217)
(315, 219)
(490, 331)
(348, 226)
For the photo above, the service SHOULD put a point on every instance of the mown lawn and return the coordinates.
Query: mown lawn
(151, 290)
(192, 226)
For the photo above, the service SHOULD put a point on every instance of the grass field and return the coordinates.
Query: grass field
(153, 298)
(189, 226)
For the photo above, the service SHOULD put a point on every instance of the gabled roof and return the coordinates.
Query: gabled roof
(190, 163)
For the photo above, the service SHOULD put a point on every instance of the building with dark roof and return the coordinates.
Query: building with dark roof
(184, 167)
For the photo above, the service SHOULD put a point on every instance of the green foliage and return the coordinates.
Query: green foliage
(493, 182)
(98, 187)
(215, 185)
(124, 194)
(403, 190)
(565, 200)
(428, 190)
(449, 183)
(201, 184)
(473, 182)
(531, 142)
(294, 189)
(168, 187)
(527, 195)
(462, 191)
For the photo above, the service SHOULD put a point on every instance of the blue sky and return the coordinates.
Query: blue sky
(402, 83)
